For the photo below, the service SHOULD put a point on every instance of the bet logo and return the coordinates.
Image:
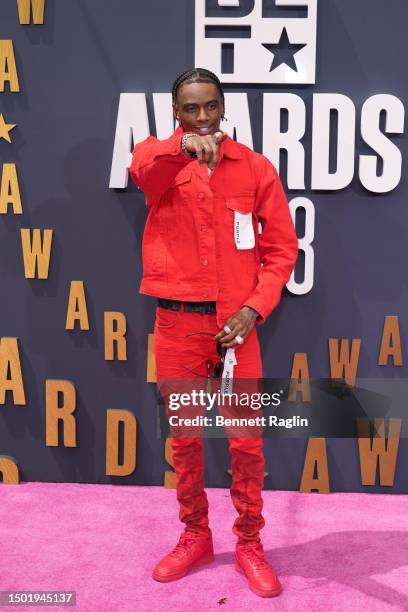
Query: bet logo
(257, 41)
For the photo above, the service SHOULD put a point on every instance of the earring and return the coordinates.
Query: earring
(223, 118)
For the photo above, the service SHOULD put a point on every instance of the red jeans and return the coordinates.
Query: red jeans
(179, 355)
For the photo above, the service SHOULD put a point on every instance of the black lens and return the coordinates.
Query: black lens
(221, 350)
(218, 369)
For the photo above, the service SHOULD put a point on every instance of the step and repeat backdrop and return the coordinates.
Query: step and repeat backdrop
(317, 86)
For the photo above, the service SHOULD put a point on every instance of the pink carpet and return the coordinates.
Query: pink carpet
(337, 552)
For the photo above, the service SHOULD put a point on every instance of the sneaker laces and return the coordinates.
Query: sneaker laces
(254, 553)
(180, 548)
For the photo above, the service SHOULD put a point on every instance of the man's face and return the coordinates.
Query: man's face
(199, 108)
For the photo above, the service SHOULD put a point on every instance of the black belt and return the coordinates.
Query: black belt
(201, 307)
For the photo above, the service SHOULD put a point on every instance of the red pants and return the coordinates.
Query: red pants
(179, 355)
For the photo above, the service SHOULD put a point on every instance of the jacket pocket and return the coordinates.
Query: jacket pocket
(165, 318)
(184, 176)
(242, 207)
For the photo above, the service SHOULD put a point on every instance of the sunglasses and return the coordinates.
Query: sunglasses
(221, 351)
(218, 368)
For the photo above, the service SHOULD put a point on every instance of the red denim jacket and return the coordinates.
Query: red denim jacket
(228, 237)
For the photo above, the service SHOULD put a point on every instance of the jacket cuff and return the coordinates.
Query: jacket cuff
(172, 147)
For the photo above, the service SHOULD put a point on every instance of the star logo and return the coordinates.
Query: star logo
(283, 52)
(5, 128)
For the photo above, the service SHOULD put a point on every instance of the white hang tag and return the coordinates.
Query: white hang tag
(228, 372)
(243, 230)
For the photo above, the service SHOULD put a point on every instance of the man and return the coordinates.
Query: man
(219, 245)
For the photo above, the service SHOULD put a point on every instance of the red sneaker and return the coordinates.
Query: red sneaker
(192, 550)
(250, 561)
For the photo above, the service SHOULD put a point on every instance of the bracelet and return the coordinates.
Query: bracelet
(184, 139)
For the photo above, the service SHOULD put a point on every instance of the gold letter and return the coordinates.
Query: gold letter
(77, 298)
(9, 469)
(151, 362)
(9, 356)
(53, 412)
(37, 252)
(8, 69)
(391, 342)
(24, 13)
(9, 191)
(315, 455)
(113, 418)
(372, 449)
(343, 363)
(117, 335)
(299, 378)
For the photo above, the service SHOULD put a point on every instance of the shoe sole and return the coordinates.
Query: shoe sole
(258, 592)
(171, 577)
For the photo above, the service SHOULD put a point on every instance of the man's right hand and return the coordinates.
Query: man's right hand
(206, 147)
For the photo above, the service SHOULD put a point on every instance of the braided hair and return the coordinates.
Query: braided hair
(196, 75)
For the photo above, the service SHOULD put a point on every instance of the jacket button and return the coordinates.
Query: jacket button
(205, 262)
(205, 294)
(201, 195)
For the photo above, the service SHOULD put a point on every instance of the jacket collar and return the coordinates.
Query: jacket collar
(228, 147)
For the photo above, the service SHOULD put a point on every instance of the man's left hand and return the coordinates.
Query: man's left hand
(240, 324)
